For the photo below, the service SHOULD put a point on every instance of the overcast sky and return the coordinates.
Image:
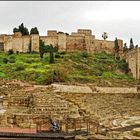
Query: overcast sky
(118, 19)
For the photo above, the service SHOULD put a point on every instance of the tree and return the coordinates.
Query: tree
(15, 30)
(30, 47)
(131, 44)
(34, 31)
(125, 48)
(47, 49)
(104, 35)
(136, 46)
(21, 29)
(50, 49)
(116, 48)
(41, 48)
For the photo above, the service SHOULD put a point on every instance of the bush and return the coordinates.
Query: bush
(10, 52)
(85, 54)
(12, 61)
(19, 67)
(5, 60)
(28, 61)
(63, 52)
(17, 52)
(57, 55)
(58, 74)
(123, 65)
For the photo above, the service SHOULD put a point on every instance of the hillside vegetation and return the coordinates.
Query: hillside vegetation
(101, 69)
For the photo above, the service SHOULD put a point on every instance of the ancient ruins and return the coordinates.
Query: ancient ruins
(105, 112)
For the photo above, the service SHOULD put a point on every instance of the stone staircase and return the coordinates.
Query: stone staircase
(43, 105)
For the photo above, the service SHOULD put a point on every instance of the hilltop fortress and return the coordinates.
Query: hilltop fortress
(82, 40)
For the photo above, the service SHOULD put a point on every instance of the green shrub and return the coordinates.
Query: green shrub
(57, 55)
(12, 61)
(28, 61)
(20, 67)
(10, 52)
(57, 74)
(17, 52)
(5, 60)
(85, 54)
(123, 65)
(63, 53)
(41, 80)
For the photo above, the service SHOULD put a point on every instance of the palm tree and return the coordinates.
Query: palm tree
(104, 35)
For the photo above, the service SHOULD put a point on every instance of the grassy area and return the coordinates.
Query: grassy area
(100, 68)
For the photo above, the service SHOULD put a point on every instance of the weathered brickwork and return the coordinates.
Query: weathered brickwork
(82, 40)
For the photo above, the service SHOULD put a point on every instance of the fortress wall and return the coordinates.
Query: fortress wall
(1, 38)
(104, 45)
(77, 34)
(17, 44)
(8, 41)
(50, 40)
(84, 31)
(131, 59)
(138, 63)
(89, 42)
(62, 42)
(52, 32)
(26, 41)
(75, 43)
(35, 42)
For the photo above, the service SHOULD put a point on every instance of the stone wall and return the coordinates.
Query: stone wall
(133, 59)
(104, 45)
(82, 40)
(93, 89)
(26, 41)
(62, 42)
(35, 42)
(75, 43)
(116, 89)
(50, 40)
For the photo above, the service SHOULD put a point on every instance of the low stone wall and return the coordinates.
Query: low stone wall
(116, 89)
(72, 89)
(93, 89)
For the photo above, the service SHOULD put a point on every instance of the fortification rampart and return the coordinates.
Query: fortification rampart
(133, 59)
(82, 40)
